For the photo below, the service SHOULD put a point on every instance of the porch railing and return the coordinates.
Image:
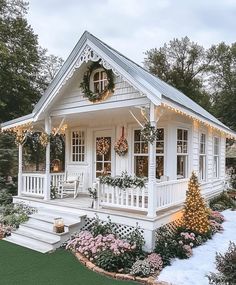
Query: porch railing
(170, 193)
(56, 177)
(130, 198)
(167, 194)
(33, 184)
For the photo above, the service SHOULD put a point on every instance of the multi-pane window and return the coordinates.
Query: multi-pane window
(99, 81)
(216, 153)
(141, 154)
(160, 153)
(202, 157)
(182, 153)
(78, 146)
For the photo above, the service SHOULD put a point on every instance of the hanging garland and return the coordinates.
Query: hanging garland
(85, 84)
(121, 146)
(149, 133)
(102, 146)
(44, 139)
(20, 138)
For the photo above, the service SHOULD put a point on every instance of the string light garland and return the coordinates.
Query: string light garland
(121, 146)
(195, 217)
(195, 119)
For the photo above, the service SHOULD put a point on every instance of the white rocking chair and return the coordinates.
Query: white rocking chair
(72, 183)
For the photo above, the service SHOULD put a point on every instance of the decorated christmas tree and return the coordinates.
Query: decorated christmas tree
(195, 217)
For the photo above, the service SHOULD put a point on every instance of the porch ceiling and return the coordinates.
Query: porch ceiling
(96, 118)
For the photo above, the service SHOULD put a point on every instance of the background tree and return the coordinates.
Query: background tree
(183, 64)
(195, 217)
(223, 82)
(25, 72)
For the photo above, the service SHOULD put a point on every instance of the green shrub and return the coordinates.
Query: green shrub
(5, 197)
(226, 265)
(15, 214)
(166, 245)
(113, 262)
(99, 227)
(222, 202)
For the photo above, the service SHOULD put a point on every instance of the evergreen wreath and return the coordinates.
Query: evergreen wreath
(149, 133)
(85, 84)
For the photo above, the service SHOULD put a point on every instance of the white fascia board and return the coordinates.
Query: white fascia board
(53, 94)
(153, 95)
(16, 124)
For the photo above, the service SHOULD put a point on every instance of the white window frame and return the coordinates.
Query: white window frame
(162, 154)
(78, 130)
(203, 156)
(185, 155)
(102, 81)
(147, 154)
(216, 158)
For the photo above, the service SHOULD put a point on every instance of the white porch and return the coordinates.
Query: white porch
(167, 195)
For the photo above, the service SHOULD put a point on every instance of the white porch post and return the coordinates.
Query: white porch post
(47, 181)
(20, 162)
(152, 169)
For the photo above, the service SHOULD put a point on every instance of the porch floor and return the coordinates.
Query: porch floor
(84, 202)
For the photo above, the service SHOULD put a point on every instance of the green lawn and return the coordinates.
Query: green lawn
(21, 266)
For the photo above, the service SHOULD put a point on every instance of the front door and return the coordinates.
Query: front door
(103, 153)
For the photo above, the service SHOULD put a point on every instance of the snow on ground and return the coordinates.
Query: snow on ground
(193, 271)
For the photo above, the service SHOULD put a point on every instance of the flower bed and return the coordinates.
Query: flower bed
(106, 252)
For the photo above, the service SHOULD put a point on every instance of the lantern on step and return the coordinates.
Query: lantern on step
(58, 226)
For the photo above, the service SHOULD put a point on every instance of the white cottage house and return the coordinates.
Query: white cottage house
(116, 99)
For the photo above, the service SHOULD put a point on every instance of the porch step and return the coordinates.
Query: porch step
(37, 233)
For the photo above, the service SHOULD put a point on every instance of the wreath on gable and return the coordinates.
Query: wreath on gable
(85, 84)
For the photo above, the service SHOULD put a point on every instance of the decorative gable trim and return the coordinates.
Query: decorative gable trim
(89, 52)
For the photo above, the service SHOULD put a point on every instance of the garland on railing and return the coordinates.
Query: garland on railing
(124, 181)
(85, 84)
(121, 146)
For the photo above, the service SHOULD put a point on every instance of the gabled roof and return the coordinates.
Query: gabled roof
(154, 87)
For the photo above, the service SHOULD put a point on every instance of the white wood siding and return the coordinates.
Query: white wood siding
(195, 148)
(74, 98)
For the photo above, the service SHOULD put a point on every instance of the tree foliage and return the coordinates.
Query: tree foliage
(182, 64)
(223, 82)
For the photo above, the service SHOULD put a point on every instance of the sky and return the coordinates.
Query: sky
(131, 26)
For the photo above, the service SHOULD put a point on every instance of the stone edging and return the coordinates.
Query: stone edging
(148, 280)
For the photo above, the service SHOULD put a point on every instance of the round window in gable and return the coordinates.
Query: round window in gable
(98, 83)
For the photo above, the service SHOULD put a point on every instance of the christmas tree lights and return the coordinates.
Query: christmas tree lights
(195, 217)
